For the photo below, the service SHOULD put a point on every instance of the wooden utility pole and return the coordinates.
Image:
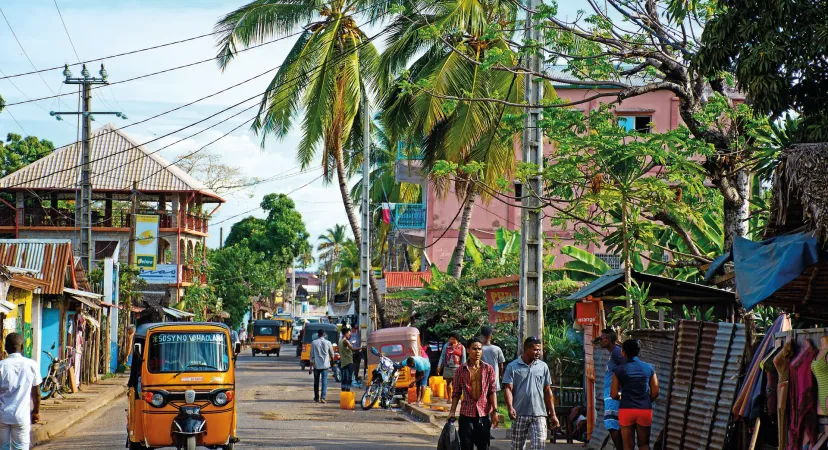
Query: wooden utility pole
(530, 316)
(133, 210)
(83, 208)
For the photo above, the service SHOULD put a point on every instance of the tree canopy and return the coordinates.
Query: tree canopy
(17, 152)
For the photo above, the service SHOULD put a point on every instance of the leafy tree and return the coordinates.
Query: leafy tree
(776, 50)
(18, 152)
(281, 236)
(325, 80)
(238, 273)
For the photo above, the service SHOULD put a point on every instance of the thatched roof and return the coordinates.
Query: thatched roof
(801, 191)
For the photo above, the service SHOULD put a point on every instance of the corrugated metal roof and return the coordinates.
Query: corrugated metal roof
(406, 279)
(615, 275)
(570, 80)
(603, 281)
(116, 160)
(707, 359)
(177, 313)
(27, 283)
(50, 259)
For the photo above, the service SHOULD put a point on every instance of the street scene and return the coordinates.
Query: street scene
(411, 224)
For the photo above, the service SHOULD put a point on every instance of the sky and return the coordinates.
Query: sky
(105, 28)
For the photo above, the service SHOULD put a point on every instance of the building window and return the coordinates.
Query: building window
(641, 124)
(613, 261)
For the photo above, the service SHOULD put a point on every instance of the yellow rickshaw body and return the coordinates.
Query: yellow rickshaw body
(397, 344)
(310, 334)
(286, 328)
(152, 372)
(266, 336)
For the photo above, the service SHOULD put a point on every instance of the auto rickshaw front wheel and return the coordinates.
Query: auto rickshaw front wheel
(191, 443)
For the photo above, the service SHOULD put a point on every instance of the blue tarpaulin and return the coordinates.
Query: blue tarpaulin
(762, 268)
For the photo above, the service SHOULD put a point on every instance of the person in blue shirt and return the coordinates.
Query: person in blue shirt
(422, 367)
(637, 381)
(609, 342)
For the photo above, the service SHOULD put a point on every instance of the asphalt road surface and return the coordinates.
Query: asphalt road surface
(275, 410)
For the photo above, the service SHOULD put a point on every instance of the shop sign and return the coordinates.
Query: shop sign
(146, 241)
(503, 304)
(586, 313)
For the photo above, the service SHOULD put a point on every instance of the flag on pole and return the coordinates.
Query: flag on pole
(386, 212)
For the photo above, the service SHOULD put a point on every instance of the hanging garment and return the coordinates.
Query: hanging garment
(771, 391)
(748, 404)
(802, 430)
(820, 369)
(782, 362)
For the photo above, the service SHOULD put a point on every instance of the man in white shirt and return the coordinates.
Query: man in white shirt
(19, 390)
(321, 356)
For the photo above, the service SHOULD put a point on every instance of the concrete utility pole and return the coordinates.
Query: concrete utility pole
(133, 211)
(530, 317)
(365, 251)
(83, 209)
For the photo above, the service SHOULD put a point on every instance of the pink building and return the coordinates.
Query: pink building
(434, 225)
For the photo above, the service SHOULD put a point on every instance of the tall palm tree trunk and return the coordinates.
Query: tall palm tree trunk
(460, 249)
(357, 230)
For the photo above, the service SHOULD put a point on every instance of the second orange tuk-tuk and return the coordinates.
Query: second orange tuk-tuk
(397, 344)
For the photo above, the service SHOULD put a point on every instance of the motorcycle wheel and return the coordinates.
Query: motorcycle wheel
(48, 388)
(370, 397)
(191, 443)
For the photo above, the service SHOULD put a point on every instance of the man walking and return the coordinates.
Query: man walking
(609, 342)
(475, 382)
(527, 386)
(321, 355)
(422, 369)
(346, 360)
(19, 390)
(492, 355)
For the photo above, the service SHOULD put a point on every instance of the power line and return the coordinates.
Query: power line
(18, 123)
(259, 207)
(67, 31)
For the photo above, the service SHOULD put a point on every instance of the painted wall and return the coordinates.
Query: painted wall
(15, 322)
(488, 216)
(50, 335)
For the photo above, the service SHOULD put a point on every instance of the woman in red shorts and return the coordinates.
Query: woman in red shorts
(636, 386)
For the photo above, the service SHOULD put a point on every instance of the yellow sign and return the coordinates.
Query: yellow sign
(146, 241)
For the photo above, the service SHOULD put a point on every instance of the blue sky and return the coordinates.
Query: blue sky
(105, 28)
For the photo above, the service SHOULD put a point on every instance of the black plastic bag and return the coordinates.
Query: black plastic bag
(449, 439)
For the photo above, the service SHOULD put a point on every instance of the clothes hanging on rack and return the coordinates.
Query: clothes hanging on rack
(820, 369)
(782, 362)
(802, 396)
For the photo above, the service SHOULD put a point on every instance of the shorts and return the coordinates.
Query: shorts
(611, 414)
(424, 381)
(448, 372)
(630, 417)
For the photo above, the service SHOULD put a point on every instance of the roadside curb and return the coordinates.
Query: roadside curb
(42, 433)
(426, 415)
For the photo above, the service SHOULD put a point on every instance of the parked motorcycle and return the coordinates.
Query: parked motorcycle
(55, 379)
(383, 384)
(336, 370)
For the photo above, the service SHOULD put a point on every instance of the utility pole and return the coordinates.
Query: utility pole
(293, 287)
(133, 210)
(530, 316)
(83, 209)
(365, 251)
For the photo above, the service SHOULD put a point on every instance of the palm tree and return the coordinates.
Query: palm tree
(455, 131)
(331, 245)
(325, 80)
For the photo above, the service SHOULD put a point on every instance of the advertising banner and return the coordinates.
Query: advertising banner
(163, 274)
(146, 241)
(503, 304)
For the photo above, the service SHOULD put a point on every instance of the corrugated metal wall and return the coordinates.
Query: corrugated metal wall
(656, 349)
(702, 389)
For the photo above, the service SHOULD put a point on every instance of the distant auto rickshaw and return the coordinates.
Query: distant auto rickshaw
(311, 333)
(266, 337)
(286, 327)
(397, 344)
(182, 387)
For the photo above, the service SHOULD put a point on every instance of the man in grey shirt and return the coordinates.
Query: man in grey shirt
(320, 359)
(528, 392)
(492, 355)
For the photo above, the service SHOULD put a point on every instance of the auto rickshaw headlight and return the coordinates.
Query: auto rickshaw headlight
(220, 399)
(157, 400)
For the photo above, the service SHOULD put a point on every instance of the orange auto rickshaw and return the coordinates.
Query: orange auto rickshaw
(311, 331)
(182, 387)
(397, 344)
(265, 338)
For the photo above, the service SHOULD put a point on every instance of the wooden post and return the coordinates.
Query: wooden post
(661, 318)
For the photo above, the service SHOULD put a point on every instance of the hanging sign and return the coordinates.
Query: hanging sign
(503, 304)
(146, 241)
(163, 274)
(586, 313)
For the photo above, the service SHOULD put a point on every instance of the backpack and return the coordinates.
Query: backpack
(449, 439)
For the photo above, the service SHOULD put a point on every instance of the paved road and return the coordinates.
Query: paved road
(276, 410)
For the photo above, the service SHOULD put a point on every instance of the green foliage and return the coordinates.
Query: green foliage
(763, 317)
(564, 354)
(237, 273)
(18, 152)
(637, 295)
(695, 313)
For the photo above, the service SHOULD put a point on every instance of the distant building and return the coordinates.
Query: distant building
(45, 194)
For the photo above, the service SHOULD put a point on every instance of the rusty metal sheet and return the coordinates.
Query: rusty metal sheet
(707, 359)
(50, 259)
(656, 349)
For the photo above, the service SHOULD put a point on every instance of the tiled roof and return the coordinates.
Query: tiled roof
(116, 159)
(50, 259)
(570, 79)
(406, 279)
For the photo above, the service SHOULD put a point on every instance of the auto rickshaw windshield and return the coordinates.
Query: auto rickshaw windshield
(265, 330)
(331, 335)
(188, 352)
